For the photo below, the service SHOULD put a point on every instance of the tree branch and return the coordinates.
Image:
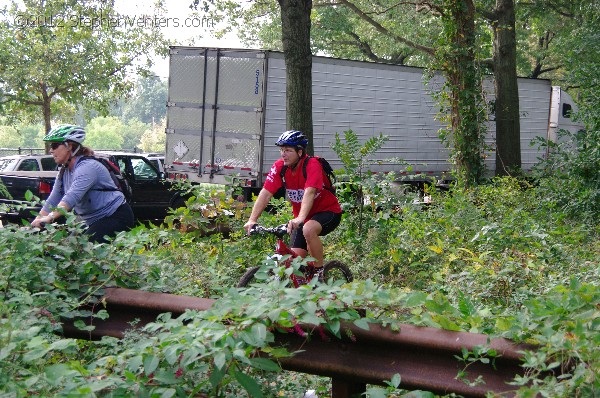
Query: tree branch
(491, 16)
(384, 30)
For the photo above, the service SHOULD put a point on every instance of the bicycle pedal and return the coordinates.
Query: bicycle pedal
(301, 281)
(319, 274)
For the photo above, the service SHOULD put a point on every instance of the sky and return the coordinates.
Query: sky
(178, 23)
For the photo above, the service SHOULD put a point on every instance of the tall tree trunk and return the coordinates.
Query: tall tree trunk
(508, 129)
(465, 93)
(295, 29)
(47, 111)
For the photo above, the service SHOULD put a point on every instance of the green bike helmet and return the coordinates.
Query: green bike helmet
(66, 132)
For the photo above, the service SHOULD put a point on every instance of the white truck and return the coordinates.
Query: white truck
(226, 108)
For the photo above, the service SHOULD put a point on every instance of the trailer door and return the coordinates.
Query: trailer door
(215, 113)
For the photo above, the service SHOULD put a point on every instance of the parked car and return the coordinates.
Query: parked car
(157, 159)
(152, 195)
(27, 163)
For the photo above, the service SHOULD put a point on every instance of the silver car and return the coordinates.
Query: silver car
(27, 163)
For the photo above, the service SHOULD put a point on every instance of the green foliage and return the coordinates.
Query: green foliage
(132, 133)
(461, 101)
(583, 60)
(569, 177)
(355, 155)
(57, 55)
(146, 103)
(32, 135)
(104, 133)
(355, 158)
(486, 260)
(10, 138)
(368, 199)
(566, 322)
(20, 135)
(54, 275)
(154, 138)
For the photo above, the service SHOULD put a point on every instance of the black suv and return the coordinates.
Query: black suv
(152, 193)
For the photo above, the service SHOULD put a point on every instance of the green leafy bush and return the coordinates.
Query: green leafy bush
(569, 177)
(498, 259)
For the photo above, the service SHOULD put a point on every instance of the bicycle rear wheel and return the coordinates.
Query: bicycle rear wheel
(248, 277)
(338, 271)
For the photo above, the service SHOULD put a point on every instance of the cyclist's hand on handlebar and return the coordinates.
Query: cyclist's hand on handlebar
(248, 226)
(295, 224)
(40, 222)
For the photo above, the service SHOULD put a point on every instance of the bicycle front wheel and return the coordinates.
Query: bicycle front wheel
(338, 271)
(248, 277)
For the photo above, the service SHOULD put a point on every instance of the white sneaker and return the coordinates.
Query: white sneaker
(310, 394)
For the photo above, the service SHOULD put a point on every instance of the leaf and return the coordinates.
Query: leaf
(165, 377)
(465, 306)
(446, 323)
(416, 299)
(216, 376)
(249, 384)
(102, 314)
(256, 336)
(55, 373)
(259, 331)
(150, 364)
(219, 359)
(309, 307)
(79, 324)
(130, 376)
(265, 364)
(277, 352)
(310, 318)
(168, 393)
(503, 324)
(436, 249)
(395, 382)
(35, 353)
(62, 344)
(362, 323)
(135, 363)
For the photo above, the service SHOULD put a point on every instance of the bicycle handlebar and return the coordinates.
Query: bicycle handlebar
(280, 231)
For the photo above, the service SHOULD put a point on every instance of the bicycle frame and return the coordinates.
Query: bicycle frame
(282, 249)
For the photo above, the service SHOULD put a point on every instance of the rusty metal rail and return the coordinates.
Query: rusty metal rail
(424, 357)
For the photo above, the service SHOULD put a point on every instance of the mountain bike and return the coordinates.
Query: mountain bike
(284, 255)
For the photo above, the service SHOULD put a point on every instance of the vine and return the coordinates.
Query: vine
(461, 95)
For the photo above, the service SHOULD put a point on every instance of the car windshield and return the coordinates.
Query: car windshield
(48, 164)
(8, 164)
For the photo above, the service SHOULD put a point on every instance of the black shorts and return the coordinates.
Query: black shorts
(121, 220)
(328, 220)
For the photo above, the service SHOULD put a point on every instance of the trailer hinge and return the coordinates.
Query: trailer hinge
(169, 103)
(261, 56)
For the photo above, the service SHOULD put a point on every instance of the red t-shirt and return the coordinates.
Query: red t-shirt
(295, 185)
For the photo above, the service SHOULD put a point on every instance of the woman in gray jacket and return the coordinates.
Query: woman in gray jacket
(85, 186)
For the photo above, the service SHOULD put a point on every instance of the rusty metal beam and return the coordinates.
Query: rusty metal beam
(424, 357)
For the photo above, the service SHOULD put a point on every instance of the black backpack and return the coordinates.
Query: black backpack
(326, 168)
(115, 173)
